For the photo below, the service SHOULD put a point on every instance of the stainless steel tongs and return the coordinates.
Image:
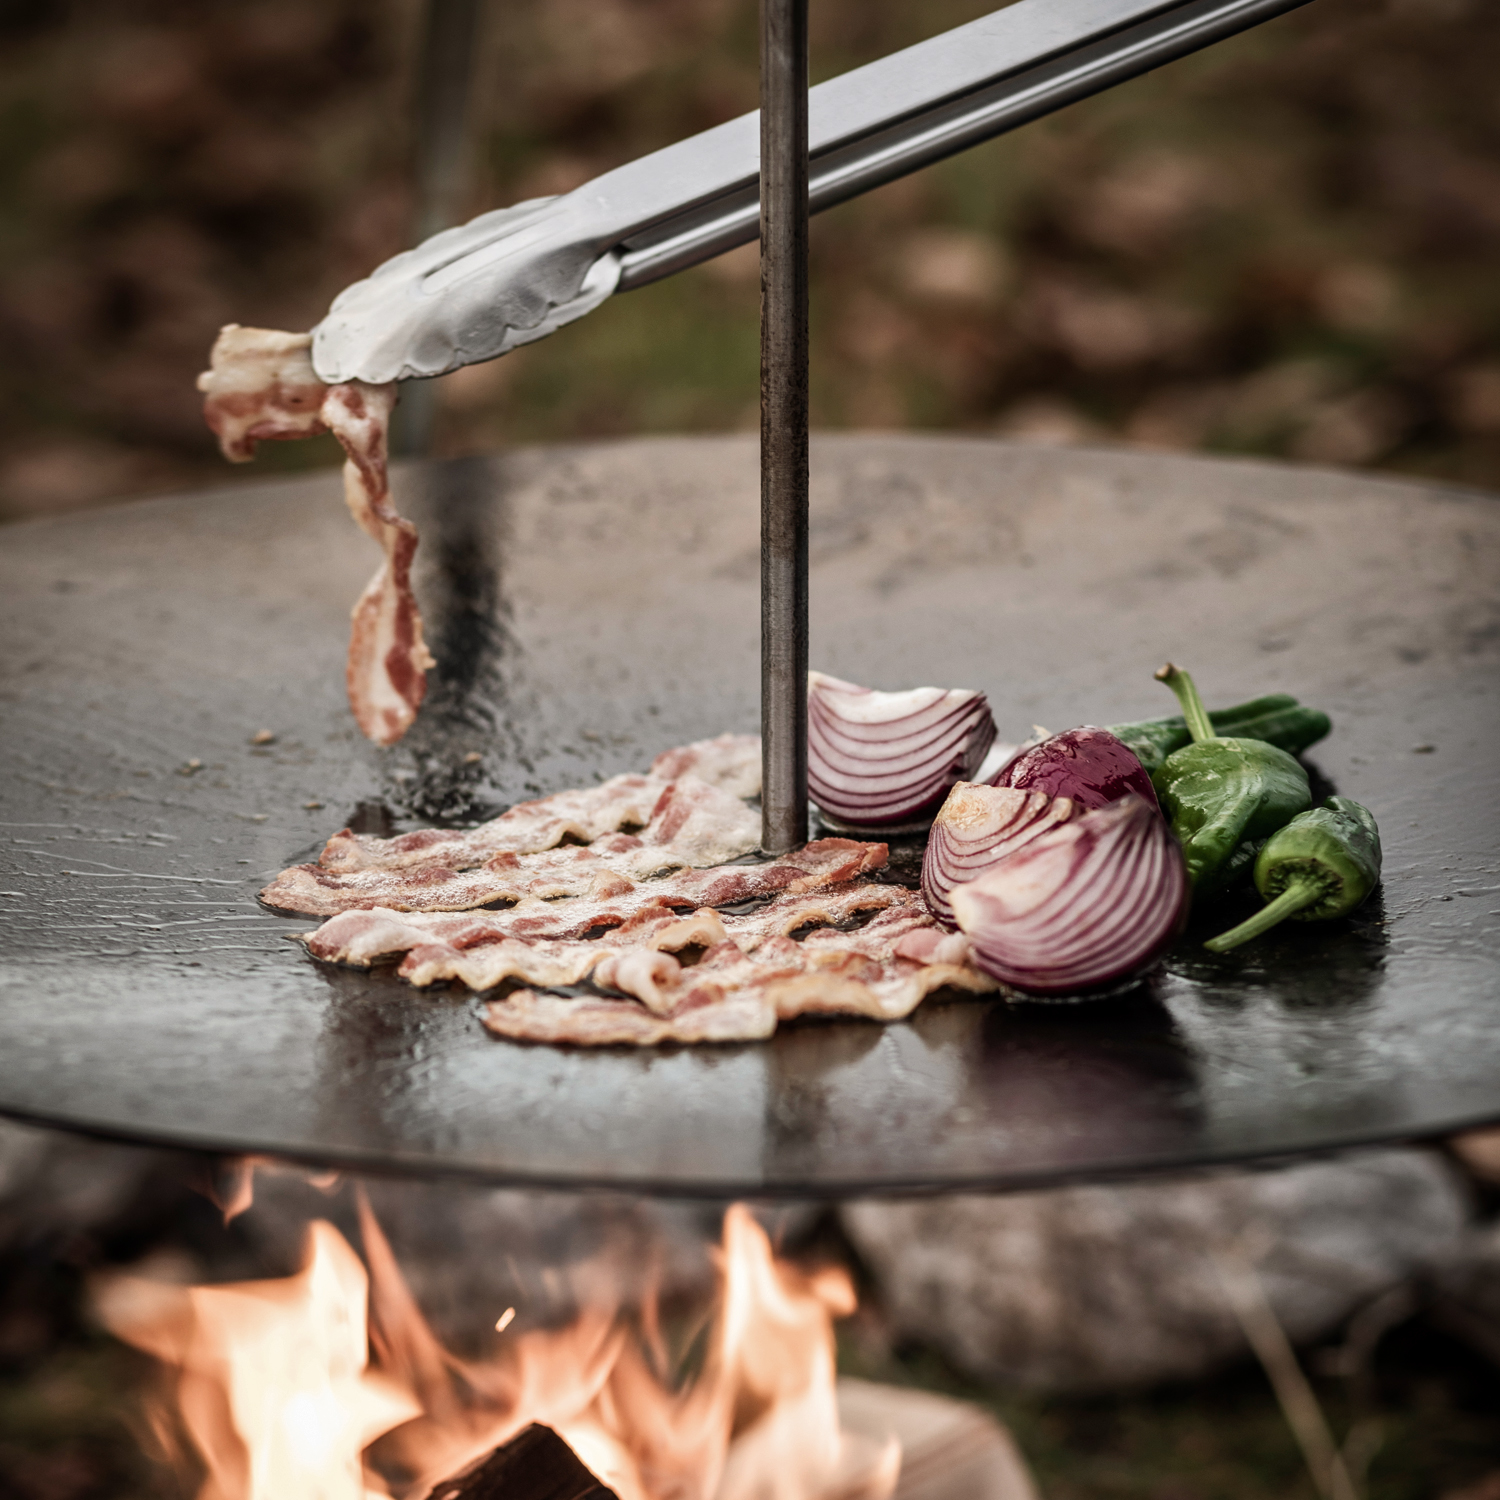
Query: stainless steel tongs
(515, 275)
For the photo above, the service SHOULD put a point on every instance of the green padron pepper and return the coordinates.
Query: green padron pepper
(1278, 719)
(1236, 871)
(1221, 793)
(1321, 865)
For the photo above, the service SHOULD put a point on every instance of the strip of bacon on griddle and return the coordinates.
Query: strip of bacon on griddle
(584, 814)
(709, 1016)
(752, 974)
(479, 949)
(362, 936)
(729, 762)
(732, 996)
(261, 385)
(691, 824)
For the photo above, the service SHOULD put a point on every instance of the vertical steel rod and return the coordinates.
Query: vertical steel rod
(445, 84)
(783, 423)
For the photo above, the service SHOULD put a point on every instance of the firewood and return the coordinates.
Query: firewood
(535, 1464)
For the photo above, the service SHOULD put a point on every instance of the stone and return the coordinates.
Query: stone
(1116, 1287)
(950, 1450)
(1464, 1286)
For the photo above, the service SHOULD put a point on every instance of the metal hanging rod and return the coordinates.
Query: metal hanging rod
(782, 215)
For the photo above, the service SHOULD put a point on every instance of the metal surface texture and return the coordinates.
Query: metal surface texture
(783, 425)
(590, 606)
(517, 274)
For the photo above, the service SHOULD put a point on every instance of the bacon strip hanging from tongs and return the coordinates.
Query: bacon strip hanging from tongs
(260, 386)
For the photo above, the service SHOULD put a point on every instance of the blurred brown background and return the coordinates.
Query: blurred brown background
(1284, 246)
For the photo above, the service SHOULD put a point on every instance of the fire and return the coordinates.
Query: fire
(329, 1385)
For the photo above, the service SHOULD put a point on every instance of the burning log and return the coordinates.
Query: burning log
(535, 1464)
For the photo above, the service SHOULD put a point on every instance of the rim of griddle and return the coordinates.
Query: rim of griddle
(373, 1163)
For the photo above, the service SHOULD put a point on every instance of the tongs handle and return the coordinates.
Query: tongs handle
(513, 276)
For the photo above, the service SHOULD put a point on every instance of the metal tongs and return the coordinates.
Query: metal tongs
(515, 275)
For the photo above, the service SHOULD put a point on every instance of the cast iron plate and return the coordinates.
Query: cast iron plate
(591, 606)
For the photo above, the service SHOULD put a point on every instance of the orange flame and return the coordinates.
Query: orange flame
(283, 1386)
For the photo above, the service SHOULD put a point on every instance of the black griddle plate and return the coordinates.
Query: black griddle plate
(591, 606)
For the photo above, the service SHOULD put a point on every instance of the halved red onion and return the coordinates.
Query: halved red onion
(1089, 903)
(976, 828)
(1088, 764)
(874, 759)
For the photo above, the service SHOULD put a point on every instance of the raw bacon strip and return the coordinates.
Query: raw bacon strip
(468, 949)
(693, 823)
(544, 964)
(751, 975)
(729, 761)
(485, 965)
(261, 385)
(824, 910)
(843, 983)
(363, 936)
(528, 1017)
(822, 863)
(388, 659)
(526, 828)
(701, 824)
(595, 871)
(730, 996)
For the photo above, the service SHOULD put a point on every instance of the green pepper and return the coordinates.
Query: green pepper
(1218, 793)
(1321, 865)
(1233, 873)
(1278, 719)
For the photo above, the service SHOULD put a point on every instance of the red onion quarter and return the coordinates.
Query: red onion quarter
(976, 828)
(1086, 904)
(1089, 765)
(875, 758)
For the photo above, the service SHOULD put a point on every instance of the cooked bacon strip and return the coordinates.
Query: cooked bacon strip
(701, 824)
(729, 761)
(388, 659)
(610, 867)
(692, 823)
(481, 950)
(364, 936)
(487, 964)
(752, 974)
(261, 385)
(710, 1017)
(527, 828)
(732, 996)
(824, 910)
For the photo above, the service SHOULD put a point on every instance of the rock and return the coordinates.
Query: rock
(1106, 1288)
(54, 1185)
(950, 1450)
(1465, 1289)
(1479, 1151)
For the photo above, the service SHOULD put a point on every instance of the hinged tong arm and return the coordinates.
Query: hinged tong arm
(515, 275)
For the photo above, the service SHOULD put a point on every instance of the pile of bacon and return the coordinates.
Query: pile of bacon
(652, 936)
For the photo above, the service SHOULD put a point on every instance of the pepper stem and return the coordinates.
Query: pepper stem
(1297, 895)
(1193, 710)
